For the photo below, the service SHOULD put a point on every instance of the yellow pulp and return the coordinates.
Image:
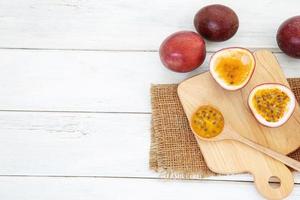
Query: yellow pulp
(271, 104)
(207, 122)
(232, 69)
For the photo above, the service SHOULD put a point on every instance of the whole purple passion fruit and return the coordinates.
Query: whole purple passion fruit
(216, 22)
(288, 37)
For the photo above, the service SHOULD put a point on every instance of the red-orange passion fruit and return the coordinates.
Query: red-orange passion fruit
(183, 51)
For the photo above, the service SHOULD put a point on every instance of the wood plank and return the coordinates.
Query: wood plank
(78, 144)
(129, 25)
(15, 188)
(68, 144)
(89, 80)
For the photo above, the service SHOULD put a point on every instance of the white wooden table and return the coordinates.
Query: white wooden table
(75, 108)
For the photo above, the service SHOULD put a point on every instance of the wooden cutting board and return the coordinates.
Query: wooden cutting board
(228, 157)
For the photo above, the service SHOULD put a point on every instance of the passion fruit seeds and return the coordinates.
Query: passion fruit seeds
(272, 104)
(232, 68)
(207, 122)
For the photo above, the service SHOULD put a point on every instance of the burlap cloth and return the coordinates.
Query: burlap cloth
(174, 151)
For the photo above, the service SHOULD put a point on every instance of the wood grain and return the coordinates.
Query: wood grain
(78, 80)
(49, 188)
(130, 25)
(53, 144)
(233, 157)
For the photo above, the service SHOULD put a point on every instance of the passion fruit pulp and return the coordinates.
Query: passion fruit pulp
(207, 122)
(272, 104)
(232, 68)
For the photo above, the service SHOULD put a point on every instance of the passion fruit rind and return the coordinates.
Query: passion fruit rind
(272, 104)
(232, 74)
(207, 122)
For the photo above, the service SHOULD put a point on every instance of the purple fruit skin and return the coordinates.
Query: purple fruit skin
(216, 22)
(183, 51)
(288, 37)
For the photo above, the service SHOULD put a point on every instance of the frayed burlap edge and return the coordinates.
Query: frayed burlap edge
(162, 160)
(169, 172)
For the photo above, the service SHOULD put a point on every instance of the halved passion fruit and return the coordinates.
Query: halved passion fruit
(272, 104)
(232, 68)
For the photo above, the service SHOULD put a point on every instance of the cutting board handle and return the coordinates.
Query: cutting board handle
(262, 178)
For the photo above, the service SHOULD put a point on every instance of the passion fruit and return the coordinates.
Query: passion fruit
(272, 104)
(183, 51)
(216, 22)
(288, 37)
(207, 122)
(232, 68)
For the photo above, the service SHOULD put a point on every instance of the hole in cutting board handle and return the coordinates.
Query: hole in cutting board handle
(274, 182)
